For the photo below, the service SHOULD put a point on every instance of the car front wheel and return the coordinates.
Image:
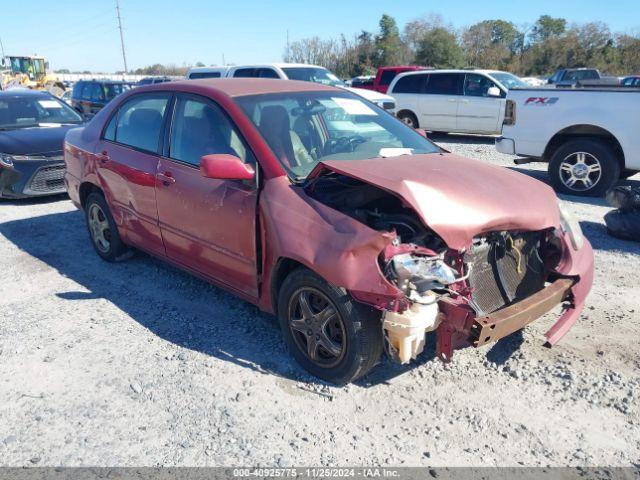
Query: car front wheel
(330, 335)
(409, 119)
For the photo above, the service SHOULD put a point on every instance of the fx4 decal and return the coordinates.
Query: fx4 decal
(541, 101)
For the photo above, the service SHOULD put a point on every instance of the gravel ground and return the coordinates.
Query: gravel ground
(140, 364)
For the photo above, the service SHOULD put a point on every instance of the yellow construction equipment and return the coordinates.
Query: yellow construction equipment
(29, 72)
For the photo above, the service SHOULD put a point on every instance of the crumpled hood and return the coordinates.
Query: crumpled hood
(36, 140)
(458, 198)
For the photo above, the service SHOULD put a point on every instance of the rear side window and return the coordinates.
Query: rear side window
(445, 84)
(244, 72)
(266, 73)
(200, 128)
(87, 91)
(196, 75)
(411, 84)
(97, 93)
(77, 90)
(139, 122)
(387, 76)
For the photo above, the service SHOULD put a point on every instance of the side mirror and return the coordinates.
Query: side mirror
(225, 167)
(494, 92)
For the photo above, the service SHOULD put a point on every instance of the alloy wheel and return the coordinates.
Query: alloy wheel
(317, 327)
(580, 171)
(99, 228)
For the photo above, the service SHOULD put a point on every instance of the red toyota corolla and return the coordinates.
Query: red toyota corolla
(316, 205)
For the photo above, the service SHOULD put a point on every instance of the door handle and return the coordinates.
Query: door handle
(104, 157)
(464, 101)
(452, 100)
(166, 178)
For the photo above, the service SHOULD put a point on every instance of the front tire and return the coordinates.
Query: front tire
(409, 119)
(584, 167)
(331, 335)
(103, 230)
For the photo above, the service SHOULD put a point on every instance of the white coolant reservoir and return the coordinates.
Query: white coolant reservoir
(405, 331)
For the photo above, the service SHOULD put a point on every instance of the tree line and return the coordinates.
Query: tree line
(532, 50)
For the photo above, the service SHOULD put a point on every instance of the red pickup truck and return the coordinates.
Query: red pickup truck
(386, 74)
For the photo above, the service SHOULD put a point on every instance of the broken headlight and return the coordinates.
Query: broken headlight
(421, 273)
(571, 227)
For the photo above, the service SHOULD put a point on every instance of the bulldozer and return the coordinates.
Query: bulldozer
(28, 72)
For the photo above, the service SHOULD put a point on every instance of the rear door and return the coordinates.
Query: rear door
(128, 157)
(439, 103)
(477, 111)
(407, 92)
(208, 225)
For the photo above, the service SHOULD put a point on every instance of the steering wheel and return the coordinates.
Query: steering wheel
(345, 144)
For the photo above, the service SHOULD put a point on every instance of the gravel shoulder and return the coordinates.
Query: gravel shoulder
(140, 364)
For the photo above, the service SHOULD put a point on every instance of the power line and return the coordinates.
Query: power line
(124, 56)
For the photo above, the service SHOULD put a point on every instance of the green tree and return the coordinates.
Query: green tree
(439, 48)
(388, 43)
(547, 27)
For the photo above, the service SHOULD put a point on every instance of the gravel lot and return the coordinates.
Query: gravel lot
(140, 364)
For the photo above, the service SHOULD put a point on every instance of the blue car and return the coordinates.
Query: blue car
(32, 129)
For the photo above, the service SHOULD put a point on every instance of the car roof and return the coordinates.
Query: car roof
(24, 92)
(277, 65)
(238, 87)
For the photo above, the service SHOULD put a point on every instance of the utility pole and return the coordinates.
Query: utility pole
(124, 56)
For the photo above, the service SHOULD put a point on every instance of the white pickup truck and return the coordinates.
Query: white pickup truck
(589, 136)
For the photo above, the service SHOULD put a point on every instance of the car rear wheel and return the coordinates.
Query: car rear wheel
(409, 119)
(584, 167)
(330, 335)
(102, 229)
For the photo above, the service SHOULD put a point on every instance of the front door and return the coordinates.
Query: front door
(478, 112)
(207, 225)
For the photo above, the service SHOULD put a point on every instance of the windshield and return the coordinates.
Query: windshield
(34, 111)
(312, 74)
(305, 128)
(508, 80)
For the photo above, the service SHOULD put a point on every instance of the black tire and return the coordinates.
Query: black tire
(114, 249)
(409, 119)
(563, 163)
(360, 339)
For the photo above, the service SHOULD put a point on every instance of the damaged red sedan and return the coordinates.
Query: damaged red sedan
(356, 231)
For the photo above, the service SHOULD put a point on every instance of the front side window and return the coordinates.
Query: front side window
(33, 111)
(139, 121)
(304, 128)
(87, 91)
(97, 95)
(477, 85)
(445, 84)
(201, 128)
(266, 73)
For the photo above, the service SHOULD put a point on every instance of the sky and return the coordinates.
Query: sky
(83, 35)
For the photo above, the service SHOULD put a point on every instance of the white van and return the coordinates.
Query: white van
(206, 72)
(308, 73)
(463, 101)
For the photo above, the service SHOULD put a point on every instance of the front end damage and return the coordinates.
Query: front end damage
(470, 294)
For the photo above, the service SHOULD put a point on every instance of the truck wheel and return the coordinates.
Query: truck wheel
(584, 167)
(330, 335)
(102, 229)
(409, 119)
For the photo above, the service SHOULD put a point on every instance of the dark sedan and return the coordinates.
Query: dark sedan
(32, 129)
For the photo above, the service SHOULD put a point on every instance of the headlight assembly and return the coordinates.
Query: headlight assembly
(423, 273)
(6, 160)
(571, 227)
